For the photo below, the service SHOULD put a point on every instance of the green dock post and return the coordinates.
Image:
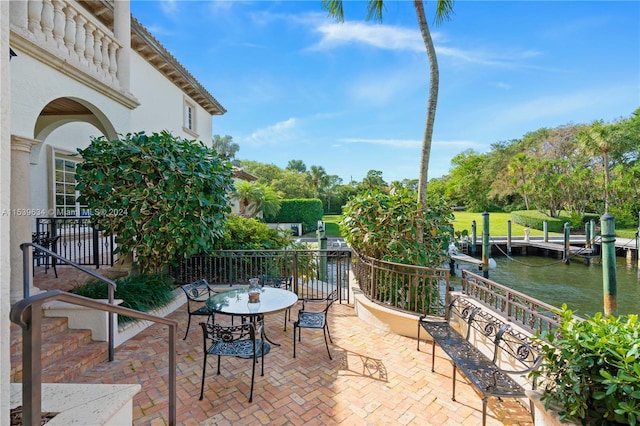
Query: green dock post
(609, 283)
(545, 229)
(567, 243)
(638, 246)
(322, 273)
(474, 238)
(638, 243)
(587, 243)
(322, 244)
(592, 233)
(509, 236)
(485, 245)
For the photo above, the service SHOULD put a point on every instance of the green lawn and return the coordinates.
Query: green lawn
(497, 225)
(331, 227)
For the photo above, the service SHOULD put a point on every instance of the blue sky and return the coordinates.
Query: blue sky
(351, 97)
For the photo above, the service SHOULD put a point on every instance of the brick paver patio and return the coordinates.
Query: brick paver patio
(375, 378)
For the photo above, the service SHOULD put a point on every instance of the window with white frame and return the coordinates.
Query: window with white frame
(189, 117)
(65, 195)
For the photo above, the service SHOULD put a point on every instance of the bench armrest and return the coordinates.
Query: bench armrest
(533, 367)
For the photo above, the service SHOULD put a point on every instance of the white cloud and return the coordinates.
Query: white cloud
(169, 6)
(400, 38)
(380, 36)
(416, 144)
(278, 132)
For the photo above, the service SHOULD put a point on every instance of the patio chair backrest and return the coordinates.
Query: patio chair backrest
(277, 282)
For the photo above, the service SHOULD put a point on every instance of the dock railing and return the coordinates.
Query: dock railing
(529, 313)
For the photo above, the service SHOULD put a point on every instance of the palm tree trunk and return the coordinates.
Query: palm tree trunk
(434, 81)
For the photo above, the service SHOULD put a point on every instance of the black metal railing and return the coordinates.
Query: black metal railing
(26, 282)
(315, 272)
(78, 240)
(410, 288)
(27, 313)
(531, 314)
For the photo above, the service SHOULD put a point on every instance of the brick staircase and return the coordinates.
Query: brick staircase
(66, 353)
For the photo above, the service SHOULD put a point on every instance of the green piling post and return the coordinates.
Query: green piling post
(567, 243)
(322, 274)
(587, 243)
(592, 233)
(545, 229)
(509, 236)
(485, 245)
(474, 238)
(609, 283)
(638, 245)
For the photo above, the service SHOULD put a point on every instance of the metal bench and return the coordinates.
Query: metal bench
(465, 329)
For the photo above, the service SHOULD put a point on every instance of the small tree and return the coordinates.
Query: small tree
(163, 197)
(384, 226)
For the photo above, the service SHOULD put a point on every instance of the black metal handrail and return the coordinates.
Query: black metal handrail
(26, 280)
(27, 313)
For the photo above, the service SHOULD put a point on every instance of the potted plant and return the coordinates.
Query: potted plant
(591, 369)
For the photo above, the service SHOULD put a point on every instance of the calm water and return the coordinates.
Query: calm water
(577, 285)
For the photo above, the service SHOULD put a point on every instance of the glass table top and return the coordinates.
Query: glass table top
(236, 301)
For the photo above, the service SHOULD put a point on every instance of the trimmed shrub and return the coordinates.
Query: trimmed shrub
(307, 211)
(143, 292)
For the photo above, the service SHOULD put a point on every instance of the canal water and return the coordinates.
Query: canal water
(553, 282)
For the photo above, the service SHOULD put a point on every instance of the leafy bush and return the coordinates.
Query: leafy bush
(591, 369)
(241, 233)
(144, 292)
(163, 197)
(384, 226)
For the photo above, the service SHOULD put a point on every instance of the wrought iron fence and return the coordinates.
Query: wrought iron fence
(78, 240)
(410, 288)
(531, 314)
(315, 272)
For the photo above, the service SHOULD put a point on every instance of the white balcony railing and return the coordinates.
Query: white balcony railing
(69, 36)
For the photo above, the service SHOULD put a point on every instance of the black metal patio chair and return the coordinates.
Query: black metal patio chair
(197, 294)
(285, 283)
(244, 340)
(308, 317)
(40, 257)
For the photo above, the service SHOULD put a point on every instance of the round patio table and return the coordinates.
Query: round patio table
(236, 302)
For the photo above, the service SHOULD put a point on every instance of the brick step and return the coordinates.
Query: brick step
(50, 326)
(66, 353)
(83, 359)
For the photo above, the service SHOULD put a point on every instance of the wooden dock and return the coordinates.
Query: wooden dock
(467, 259)
(556, 247)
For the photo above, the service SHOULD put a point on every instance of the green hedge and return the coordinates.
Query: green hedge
(534, 219)
(307, 211)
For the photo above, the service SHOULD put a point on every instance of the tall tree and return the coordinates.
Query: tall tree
(444, 9)
(600, 140)
(225, 147)
(317, 174)
(297, 166)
